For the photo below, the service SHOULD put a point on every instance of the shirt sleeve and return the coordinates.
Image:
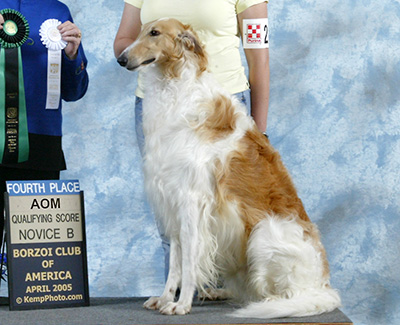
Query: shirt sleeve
(242, 5)
(135, 3)
(74, 76)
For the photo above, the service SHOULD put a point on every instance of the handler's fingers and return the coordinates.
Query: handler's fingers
(69, 30)
(74, 37)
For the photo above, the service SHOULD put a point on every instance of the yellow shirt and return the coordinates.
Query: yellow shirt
(215, 21)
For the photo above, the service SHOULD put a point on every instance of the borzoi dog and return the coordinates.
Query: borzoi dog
(220, 190)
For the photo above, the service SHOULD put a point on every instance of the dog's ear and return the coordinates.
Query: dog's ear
(190, 42)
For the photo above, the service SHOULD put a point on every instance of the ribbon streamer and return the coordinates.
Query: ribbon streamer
(51, 39)
(14, 138)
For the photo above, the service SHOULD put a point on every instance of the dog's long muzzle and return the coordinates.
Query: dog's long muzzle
(124, 62)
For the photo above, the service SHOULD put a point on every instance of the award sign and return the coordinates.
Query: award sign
(46, 245)
(14, 141)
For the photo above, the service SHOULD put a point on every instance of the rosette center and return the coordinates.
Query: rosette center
(54, 34)
(10, 28)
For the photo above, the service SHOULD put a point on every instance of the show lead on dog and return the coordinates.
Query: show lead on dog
(55, 41)
(220, 24)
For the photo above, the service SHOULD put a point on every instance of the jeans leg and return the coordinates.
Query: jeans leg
(244, 98)
(139, 124)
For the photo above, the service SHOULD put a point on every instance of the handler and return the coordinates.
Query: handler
(52, 39)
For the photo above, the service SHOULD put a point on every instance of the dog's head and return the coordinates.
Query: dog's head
(168, 43)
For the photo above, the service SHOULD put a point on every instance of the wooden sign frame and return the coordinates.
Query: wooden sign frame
(46, 245)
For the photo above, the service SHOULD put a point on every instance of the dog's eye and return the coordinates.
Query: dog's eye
(154, 33)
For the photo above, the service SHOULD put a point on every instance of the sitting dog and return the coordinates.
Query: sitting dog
(220, 190)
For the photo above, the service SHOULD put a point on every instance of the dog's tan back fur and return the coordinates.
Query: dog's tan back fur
(256, 177)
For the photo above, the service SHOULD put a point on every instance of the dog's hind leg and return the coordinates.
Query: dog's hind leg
(173, 280)
(286, 272)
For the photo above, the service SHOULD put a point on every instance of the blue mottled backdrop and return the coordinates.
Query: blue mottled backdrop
(334, 116)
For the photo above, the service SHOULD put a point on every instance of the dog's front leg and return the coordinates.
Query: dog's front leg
(173, 280)
(189, 248)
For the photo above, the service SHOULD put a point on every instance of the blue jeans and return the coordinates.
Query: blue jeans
(243, 97)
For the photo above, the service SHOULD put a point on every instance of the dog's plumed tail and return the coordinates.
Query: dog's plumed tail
(309, 302)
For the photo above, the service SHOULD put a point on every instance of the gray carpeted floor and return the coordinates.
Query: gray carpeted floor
(129, 311)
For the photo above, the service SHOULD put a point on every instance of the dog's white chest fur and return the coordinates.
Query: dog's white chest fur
(177, 162)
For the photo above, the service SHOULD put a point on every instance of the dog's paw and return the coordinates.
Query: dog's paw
(155, 303)
(151, 303)
(214, 294)
(175, 308)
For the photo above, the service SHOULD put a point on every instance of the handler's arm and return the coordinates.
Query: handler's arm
(258, 62)
(129, 29)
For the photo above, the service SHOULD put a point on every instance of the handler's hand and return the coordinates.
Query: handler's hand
(71, 34)
(1, 21)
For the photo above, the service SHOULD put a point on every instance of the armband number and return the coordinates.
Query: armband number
(255, 33)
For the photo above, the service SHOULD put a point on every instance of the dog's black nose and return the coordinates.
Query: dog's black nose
(122, 60)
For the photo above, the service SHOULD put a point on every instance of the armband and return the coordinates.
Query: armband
(255, 33)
